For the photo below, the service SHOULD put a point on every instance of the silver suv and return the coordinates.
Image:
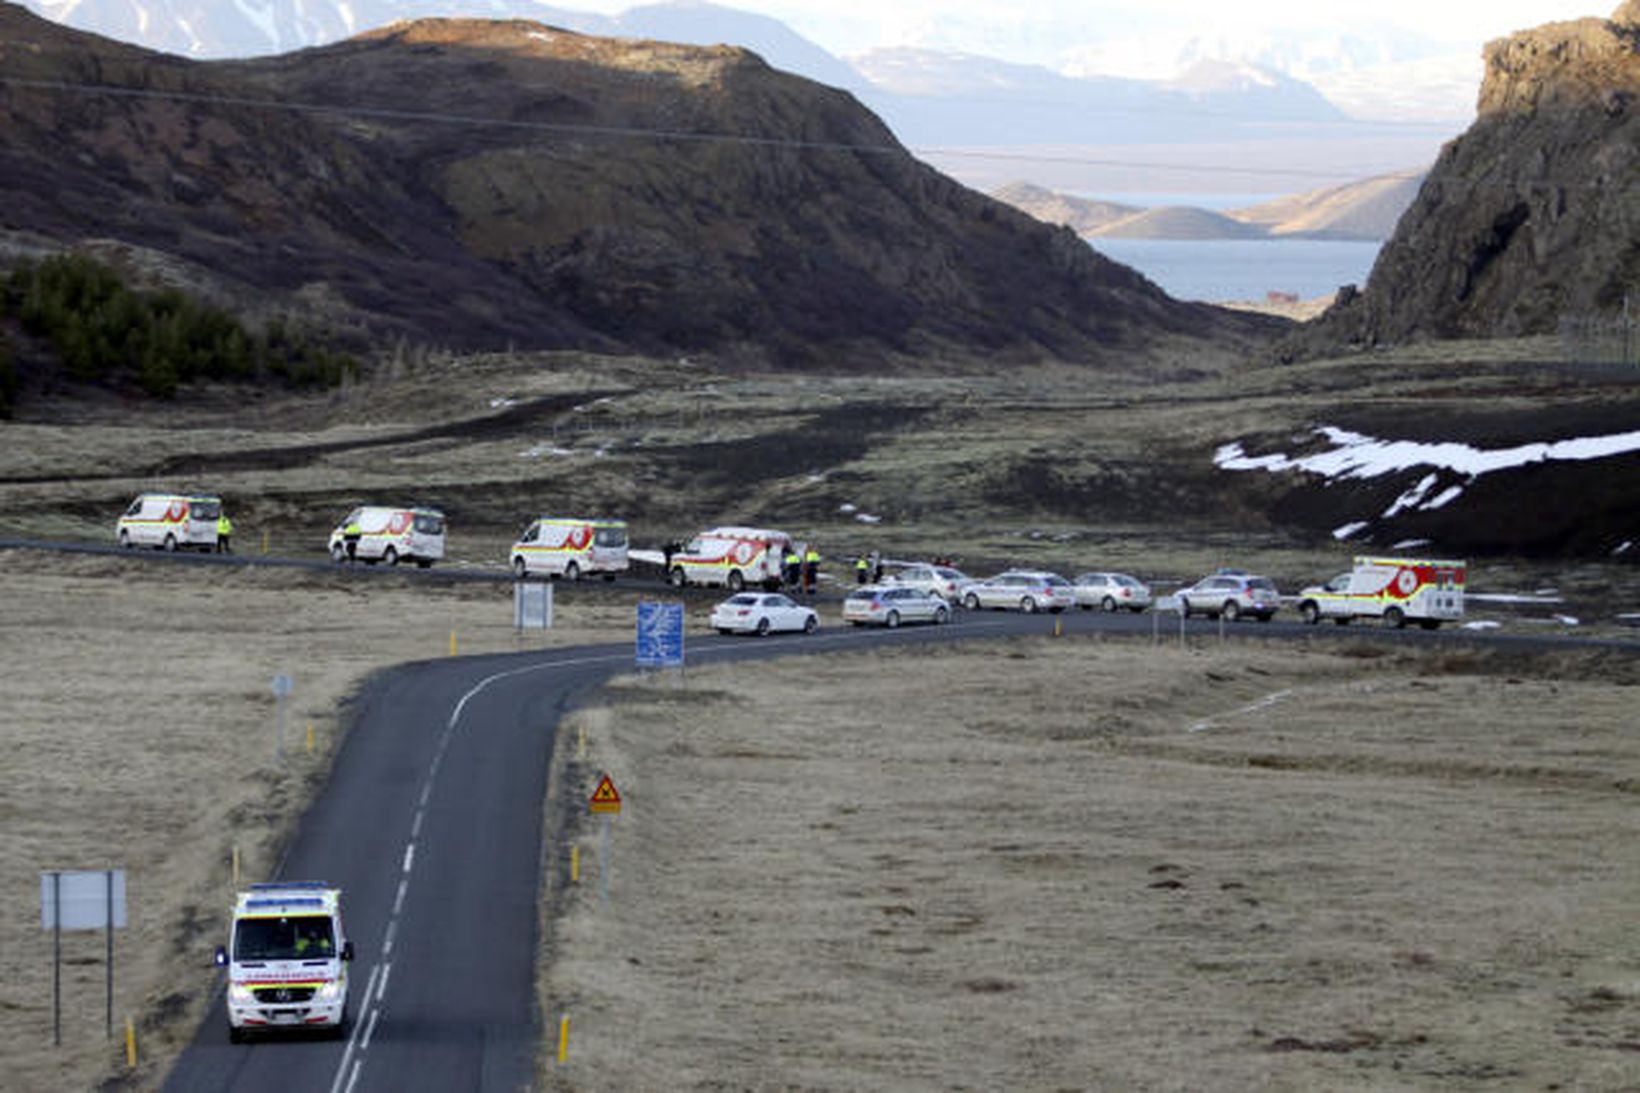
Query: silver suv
(1231, 595)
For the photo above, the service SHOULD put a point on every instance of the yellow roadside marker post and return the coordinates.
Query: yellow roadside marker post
(563, 1037)
(130, 1044)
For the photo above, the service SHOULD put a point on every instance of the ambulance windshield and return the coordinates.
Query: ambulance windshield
(293, 937)
(204, 508)
(611, 537)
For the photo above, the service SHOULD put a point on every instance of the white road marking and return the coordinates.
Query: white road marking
(364, 1045)
(409, 857)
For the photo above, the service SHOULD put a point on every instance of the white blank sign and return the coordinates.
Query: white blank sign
(81, 899)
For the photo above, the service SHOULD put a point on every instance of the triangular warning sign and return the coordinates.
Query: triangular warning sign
(606, 798)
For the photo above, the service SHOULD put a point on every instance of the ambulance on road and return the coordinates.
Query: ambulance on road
(571, 547)
(1395, 590)
(732, 557)
(391, 535)
(287, 960)
(170, 521)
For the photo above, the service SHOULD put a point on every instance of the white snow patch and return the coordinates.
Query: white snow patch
(1355, 455)
(867, 518)
(848, 506)
(1623, 547)
(543, 36)
(502, 401)
(1348, 530)
(654, 557)
(1481, 624)
(543, 449)
(1567, 620)
(1538, 598)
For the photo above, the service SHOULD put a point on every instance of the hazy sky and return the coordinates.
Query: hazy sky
(1028, 29)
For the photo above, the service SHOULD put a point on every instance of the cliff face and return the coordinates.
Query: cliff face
(1533, 214)
(484, 184)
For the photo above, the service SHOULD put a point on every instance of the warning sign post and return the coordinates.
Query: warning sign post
(606, 802)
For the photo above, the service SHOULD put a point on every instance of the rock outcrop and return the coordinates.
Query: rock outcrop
(1532, 215)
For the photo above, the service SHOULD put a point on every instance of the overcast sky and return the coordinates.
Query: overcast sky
(1025, 30)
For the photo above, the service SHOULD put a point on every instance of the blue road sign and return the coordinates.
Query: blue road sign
(660, 635)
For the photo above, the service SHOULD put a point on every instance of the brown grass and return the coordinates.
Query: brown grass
(1083, 864)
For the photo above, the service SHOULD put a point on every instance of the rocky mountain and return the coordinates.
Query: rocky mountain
(491, 184)
(1529, 217)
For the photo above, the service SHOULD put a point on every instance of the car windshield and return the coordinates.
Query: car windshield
(1125, 581)
(952, 574)
(1056, 582)
(429, 523)
(204, 508)
(293, 937)
(743, 601)
(610, 537)
(864, 594)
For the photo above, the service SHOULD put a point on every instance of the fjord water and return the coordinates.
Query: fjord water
(1222, 270)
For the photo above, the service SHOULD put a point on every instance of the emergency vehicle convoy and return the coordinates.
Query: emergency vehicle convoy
(170, 521)
(732, 557)
(378, 533)
(287, 960)
(569, 547)
(1395, 590)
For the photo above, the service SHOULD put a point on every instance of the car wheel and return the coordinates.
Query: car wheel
(125, 540)
(390, 556)
(941, 616)
(762, 627)
(1265, 616)
(170, 544)
(1028, 605)
(521, 568)
(1342, 620)
(1232, 611)
(893, 620)
(724, 630)
(235, 1035)
(338, 554)
(811, 624)
(1395, 618)
(572, 572)
(1309, 612)
(679, 580)
(736, 581)
(971, 602)
(1184, 608)
(1108, 603)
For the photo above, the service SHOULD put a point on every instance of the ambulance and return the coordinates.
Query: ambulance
(732, 557)
(287, 960)
(1394, 590)
(170, 521)
(391, 535)
(570, 547)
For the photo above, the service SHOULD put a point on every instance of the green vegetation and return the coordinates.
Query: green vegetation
(107, 332)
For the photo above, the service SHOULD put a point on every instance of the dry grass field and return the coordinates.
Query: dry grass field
(1076, 864)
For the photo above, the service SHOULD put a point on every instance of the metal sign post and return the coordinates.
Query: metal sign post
(606, 801)
(282, 687)
(92, 900)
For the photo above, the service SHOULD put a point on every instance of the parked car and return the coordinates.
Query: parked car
(891, 605)
(1024, 590)
(1232, 596)
(1111, 591)
(936, 580)
(763, 613)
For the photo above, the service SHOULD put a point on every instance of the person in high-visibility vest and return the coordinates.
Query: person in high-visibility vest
(811, 569)
(224, 533)
(351, 534)
(791, 567)
(862, 570)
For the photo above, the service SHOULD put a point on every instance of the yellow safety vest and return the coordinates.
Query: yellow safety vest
(224, 526)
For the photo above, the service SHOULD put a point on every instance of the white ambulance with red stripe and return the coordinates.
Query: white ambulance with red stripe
(389, 535)
(1394, 590)
(732, 558)
(170, 521)
(287, 960)
(571, 547)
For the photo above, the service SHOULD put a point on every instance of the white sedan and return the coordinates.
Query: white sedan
(763, 613)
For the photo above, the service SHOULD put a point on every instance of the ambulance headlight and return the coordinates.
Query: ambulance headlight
(240, 995)
(329, 992)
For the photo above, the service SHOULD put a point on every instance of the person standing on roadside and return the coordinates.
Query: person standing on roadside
(351, 534)
(862, 569)
(811, 569)
(224, 533)
(791, 567)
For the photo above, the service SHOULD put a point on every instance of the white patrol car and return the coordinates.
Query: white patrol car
(287, 960)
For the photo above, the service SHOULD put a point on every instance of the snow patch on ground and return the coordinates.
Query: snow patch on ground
(1355, 455)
